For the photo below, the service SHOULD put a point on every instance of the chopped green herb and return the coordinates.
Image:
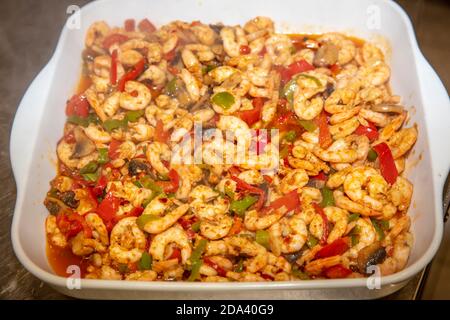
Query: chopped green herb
(102, 155)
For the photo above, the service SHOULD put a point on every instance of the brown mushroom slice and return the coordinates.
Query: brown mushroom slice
(326, 55)
(83, 145)
(388, 108)
(370, 255)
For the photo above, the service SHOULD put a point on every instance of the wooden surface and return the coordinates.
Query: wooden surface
(29, 31)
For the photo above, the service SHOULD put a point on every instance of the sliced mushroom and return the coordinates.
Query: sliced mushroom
(83, 145)
(370, 255)
(388, 108)
(326, 55)
(136, 166)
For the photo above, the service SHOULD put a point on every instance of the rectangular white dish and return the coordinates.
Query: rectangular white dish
(40, 118)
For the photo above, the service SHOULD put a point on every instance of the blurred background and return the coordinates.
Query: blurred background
(29, 31)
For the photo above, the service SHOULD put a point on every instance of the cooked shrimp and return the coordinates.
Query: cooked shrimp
(135, 97)
(288, 235)
(175, 235)
(402, 141)
(161, 224)
(55, 235)
(127, 241)
(156, 152)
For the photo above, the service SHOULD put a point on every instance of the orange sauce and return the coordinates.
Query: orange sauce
(60, 258)
(84, 83)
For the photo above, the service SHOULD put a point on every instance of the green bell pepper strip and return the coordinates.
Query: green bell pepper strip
(240, 266)
(103, 156)
(196, 226)
(171, 87)
(289, 89)
(145, 263)
(240, 206)
(290, 136)
(196, 261)
(372, 155)
(91, 167)
(312, 241)
(317, 81)
(223, 99)
(90, 176)
(148, 183)
(353, 217)
(308, 125)
(133, 116)
(262, 237)
(112, 124)
(378, 228)
(327, 197)
(229, 193)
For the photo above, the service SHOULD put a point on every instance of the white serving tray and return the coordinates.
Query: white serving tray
(39, 121)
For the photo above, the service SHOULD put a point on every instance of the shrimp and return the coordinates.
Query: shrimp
(65, 152)
(402, 141)
(217, 247)
(97, 134)
(344, 115)
(307, 197)
(96, 30)
(339, 151)
(259, 23)
(401, 193)
(294, 179)
(307, 109)
(337, 179)
(154, 74)
(217, 227)
(233, 39)
(191, 84)
(288, 235)
(344, 128)
(241, 245)
(82, 246)
(161, 224)
(278, 48)
(339, 217)
(380, 119)
(366, 236)
(369, 54)
(99, 231)
(375, 74)
(204, 34)
(373, 182)
(253, 221)
(235, 125)
(340, 100)
(175, 235)
(400, 254)
(141, 132)
(111, 104)
(128, 242)
(130, 57)
(146, 275)
(189, 175)
(129, 101)
(345, 203)
(317, 266)
(55, 235)
(156, 152)
(231, 109)
(251, 177)
(389, 130)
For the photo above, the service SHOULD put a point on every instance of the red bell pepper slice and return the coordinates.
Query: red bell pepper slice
(172, 185)
(107, 209)
(114, 38)
(100, 186)
(387, 164)
(326, 231)
(113, 71)
(130, 25)
(146, 26)
(71, 224)
(176, 254)
(290, 201)
(78, 105)
(113, 151)
(244, 50)
(337, 272)
(137, 69)
(254, 115)
(370, 132)
(335, 69)
(242, 185)
(337, 247)
(294, 68)
(236, 227)
(321, 176)
(325, 139)
(220, 271)
(160, 134)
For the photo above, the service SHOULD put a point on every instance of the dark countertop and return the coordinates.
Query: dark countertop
(29, 32)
